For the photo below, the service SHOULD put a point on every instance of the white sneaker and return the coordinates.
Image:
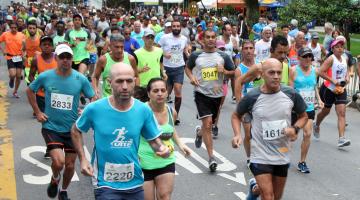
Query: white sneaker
(343, 142)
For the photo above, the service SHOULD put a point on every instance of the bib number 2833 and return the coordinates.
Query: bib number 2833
(273, 129)
(61, 101)
(118, 172)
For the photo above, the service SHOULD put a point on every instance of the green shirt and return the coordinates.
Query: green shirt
(285, 74)
(80, 52)
(58, 39)
(106, 89)
(157, 28)
(148, 159)
(152, 60)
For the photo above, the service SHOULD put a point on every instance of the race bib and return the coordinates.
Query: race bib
(308, 96)
(61, 101)
(118, 172)
(209, 74)
(175, 58)
(273, 130)
(16, 59)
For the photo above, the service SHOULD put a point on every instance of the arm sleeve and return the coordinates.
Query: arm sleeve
(84, 122)
(150, 129)
(191, 61)
(87, 89)
(299, 104)
(37, 83)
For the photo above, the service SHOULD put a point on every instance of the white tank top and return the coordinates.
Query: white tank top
(317, 54)
(337, 71)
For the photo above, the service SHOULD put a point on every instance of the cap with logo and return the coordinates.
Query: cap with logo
(63, 48)
(314, 35)
(305, 51)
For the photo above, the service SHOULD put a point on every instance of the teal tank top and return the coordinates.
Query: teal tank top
(305, 86)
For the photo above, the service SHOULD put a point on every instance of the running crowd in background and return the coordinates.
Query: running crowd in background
(133, 60)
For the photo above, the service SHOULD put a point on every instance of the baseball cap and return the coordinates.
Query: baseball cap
(9, 17)
(224, 19)
(305, 51)
(77, 15)
(63, 48)
(335, 42)
(153, 18)
(340, 37)
(146, 17)
(168, 24)
(314, 35)
(220, 44)
(149, 32)
(46, 38)
(132, 17)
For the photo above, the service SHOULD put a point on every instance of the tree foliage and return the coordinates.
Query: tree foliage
(252, 11)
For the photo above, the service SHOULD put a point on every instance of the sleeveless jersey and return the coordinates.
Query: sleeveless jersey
(248, 85)
(305, 86)
(106, 89)
(148, 159)
(317, 54)
(293, 56)
(42, 66)
(337, 71)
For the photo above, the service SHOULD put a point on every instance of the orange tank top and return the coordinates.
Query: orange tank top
(42, 66)
(32, 46)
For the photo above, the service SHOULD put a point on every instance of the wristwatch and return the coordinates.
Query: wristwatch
(297, 129)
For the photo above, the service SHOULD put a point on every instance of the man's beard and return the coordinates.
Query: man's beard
(176, 32)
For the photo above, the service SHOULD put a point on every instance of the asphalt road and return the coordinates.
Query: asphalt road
(335, 174)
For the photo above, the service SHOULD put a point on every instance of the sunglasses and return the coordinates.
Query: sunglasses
(65, 56)
(307, 56)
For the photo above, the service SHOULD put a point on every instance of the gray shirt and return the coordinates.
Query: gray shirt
(271, 113)
(204, 68)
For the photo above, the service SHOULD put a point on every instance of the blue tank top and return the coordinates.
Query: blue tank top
(248, 85)
(305, 85)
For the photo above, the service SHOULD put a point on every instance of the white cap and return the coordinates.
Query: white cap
(224, 19)
(154, 18)
(167, 24)
(9, 17)
(267, 28)
(294, 22)
(63, 48)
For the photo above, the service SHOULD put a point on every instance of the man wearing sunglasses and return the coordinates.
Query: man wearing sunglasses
(14, 52)
(62, 87)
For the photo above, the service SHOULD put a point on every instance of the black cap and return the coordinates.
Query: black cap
(46, 38)
(146, 17)
(77, 15)
(304, 51)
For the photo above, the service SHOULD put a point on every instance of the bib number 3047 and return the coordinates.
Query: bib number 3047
(273, 129)
(209, 74)
(118, 172)
(61, 101)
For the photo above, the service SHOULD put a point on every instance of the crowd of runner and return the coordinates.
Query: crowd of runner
(114, 71)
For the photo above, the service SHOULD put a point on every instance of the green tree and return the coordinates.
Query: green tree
(341, 13)
(252, 11)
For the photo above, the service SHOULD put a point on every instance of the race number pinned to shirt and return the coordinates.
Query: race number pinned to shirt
(16, 59)
(308, 96)
(118, 172)
(273, 130)
(209, 74)
(61, 101)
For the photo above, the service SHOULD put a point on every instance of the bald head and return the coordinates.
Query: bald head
(121, 69)
(300, 34)
(271, 63)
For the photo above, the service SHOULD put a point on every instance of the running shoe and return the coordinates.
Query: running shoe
(15, 95)
(82, 100)
(11, 83)
(198, 137)
(343, 142)
(52, 189)
(248, 163)
(233, 100)
(316, 130)
(302, 167)
(212, 164)
(47, 155)
(63, 195)
(251, 195)
(169, 100)
(215, 130)
(177, 122)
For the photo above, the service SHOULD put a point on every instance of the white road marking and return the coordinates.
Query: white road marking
(241, 195)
